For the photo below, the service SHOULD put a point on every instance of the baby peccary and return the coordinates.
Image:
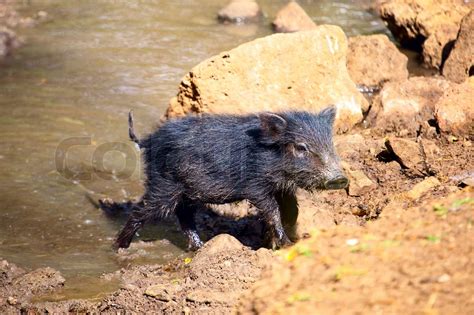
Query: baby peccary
(217, 159)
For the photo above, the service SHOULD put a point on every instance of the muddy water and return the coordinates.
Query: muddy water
(64, 98)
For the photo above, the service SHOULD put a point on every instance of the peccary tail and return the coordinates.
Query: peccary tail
(131, 132)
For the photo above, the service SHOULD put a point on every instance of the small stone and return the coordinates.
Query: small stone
(8, 41)
(468, 181)
(459, 64)
(163, 292)
(422, 187)
(352, 242)
(12, 301)
(240, 11)
(204, 296)
(455, 109)
(292, 18)
(464, 179)
(359, 183)
(409, 154)
(444, 278)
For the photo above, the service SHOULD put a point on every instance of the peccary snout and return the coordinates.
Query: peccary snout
(337, 182)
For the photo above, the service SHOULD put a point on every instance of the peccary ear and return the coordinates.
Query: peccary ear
(272, 125)
(329, 114)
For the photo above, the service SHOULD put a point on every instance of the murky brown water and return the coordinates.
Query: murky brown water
(77, 77)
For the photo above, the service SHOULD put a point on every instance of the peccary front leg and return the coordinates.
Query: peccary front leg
(186, 212)
(271, 215)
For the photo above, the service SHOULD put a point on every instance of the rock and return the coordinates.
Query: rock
(292, 18)
(460, 63)
(359, 183)
(206, 296)
(8, 272)
(464, 179)
(455, 109)
(404, 106)
(240, 11)
(424, 25)
(163, 292)
(12, 301)
(436, 46)
(302, 70)
(219, 244)
(417, 157)
(8, 41)
(39, 281)
(373, 60)
(422, 187)
(468, 181)
(419, 101)
(311, 216)
(350, 146)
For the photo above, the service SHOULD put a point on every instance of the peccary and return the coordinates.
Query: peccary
(216, 159)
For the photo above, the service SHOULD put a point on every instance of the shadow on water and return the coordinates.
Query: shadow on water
(76, 78)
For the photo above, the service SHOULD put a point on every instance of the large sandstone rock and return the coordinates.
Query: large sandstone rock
(455, 109)
(297, 71)
(239, 11)
(373, 60)
(424, 25)
(460, 63)
(404, 106)
(292, 18)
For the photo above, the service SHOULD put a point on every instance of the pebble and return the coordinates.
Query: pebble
(444, 278)
(352, 242)
(12, 301)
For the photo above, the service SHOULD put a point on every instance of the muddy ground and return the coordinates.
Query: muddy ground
(402, 243)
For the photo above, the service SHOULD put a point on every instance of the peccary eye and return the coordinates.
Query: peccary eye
(301, 147)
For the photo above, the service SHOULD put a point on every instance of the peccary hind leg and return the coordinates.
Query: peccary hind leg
(136, 220)
(186, 212)
(156, 203)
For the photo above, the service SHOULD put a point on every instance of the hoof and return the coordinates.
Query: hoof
(278, 243)
(194, 245)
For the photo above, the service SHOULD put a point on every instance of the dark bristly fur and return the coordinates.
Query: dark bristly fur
(216, 159)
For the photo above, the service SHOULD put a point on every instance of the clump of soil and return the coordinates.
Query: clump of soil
(18, 286)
